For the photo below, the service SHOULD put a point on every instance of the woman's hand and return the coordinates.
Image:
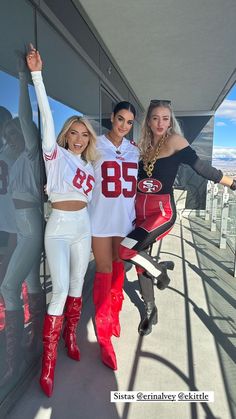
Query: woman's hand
(33, 59)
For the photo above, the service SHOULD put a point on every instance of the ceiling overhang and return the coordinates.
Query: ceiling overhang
(183, 50)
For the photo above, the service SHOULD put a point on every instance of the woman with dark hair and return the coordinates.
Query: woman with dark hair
(5, 115)
(70, 181)
(112, 214)
(163, 149)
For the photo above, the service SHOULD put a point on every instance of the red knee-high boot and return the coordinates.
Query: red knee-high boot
(117, 297)
(2, 314)
(72, 315)
(24, 293)
(103, 320)
(37, 308)
(51, 335)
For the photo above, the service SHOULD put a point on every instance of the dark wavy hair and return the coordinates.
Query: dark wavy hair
(124, 105)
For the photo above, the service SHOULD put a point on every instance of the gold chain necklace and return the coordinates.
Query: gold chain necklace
(149, 165)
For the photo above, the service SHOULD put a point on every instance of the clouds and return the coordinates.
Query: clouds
(220, 124)
(224, 153)
(226, 111)
(225, 123)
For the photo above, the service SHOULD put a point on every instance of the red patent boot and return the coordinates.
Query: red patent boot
(26, 302)
(117, 297)
(51, 335)
(103, 320)
(72, 316)
(2, 314)
(37, 308)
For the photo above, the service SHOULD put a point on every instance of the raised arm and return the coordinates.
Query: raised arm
(34, 64)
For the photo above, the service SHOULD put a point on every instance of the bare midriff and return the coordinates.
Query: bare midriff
(69, 205)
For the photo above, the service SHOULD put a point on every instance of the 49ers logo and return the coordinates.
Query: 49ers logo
(149, 185)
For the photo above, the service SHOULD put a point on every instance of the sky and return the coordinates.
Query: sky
(225, 127)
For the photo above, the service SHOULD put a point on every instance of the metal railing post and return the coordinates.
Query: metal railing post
(224, 218)
(208, 200)
(234, 273)
(214, 208)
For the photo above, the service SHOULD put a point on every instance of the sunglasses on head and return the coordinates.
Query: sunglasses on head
(160, 102)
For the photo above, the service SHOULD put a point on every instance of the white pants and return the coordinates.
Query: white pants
(67, 244)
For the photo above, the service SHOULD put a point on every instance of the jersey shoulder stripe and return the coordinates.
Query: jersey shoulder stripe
(51, 156)
(134, 143)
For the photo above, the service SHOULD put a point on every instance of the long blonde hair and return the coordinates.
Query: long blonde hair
(146, 134)
(89, 154)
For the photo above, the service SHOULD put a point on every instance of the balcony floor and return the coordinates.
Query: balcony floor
(191, 348)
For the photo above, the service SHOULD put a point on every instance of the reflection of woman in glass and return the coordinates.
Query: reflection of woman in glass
(21, 136)
(112, 214)
(7, 225)
(67, 238)
(5, 115)
(163, 149)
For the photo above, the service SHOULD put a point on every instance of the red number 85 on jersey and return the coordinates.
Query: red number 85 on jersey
(84, 181)
(113, 175)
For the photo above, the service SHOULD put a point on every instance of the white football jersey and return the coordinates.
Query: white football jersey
(68, 173)
(112, 209)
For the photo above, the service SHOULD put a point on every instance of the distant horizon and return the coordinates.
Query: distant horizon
(220, 152)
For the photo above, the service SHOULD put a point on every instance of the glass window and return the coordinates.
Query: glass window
(108, 104)
(21, 229)
(60, 113)
(67, 76)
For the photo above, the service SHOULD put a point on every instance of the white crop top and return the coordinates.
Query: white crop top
(69, 177)
(57, 197)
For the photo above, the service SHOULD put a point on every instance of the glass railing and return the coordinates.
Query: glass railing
(221, 214)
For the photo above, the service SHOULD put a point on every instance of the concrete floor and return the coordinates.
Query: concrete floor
(191, 348)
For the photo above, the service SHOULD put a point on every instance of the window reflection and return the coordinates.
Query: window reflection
(21, 229)
(61, 112)
(108, 104)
